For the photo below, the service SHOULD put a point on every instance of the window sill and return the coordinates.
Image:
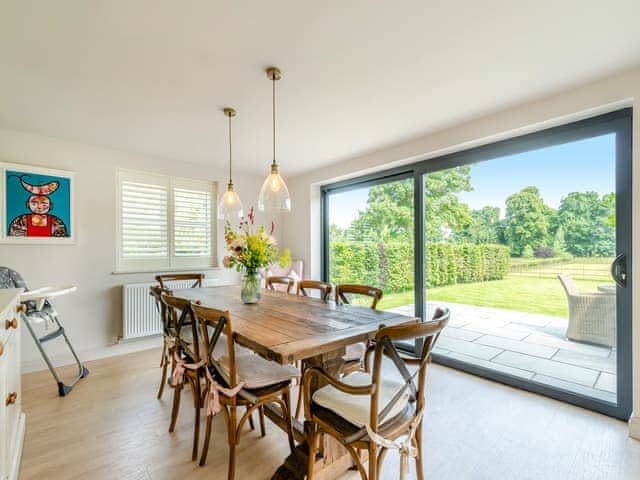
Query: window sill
(167, 270)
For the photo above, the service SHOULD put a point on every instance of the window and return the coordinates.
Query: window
(164, 222)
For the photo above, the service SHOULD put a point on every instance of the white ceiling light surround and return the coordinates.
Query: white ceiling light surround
(360, 75)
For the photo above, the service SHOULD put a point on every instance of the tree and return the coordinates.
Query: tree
(483, 227)
(389, 212)
(586, 221)
(527, 221)
(444, 213)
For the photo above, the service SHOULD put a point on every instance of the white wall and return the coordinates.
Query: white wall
(302, 226)
(92, 316)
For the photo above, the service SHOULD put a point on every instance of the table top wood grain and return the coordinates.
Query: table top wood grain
(286, 328)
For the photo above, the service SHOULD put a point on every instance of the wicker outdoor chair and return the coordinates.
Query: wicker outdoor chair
(592, 316)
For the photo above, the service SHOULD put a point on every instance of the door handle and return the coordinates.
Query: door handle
(619, 270)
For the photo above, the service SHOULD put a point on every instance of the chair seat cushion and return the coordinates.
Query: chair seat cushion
(355, 408)
(355, 352)
(256, 372)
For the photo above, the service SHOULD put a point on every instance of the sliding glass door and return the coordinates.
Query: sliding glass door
(526, 241)
(370, 239)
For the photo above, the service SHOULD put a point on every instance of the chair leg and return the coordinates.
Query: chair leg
(419, 458)
(251, 424)
(164, 364)
(263, 430)
(233, 440)
(299, 403)
(207, 437)
(286, 397)
(176, 407)
(312, 439)
(195, 387)
(373, 473)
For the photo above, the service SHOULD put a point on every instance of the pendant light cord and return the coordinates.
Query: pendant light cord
(230, 151)
(273, 78)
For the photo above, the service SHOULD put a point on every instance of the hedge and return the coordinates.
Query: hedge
(390, 265)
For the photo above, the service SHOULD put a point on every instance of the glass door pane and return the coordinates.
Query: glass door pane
(371, 240)
(520, 249)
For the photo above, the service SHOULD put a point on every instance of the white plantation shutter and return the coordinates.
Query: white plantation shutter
(192, 223)
(143, 213)
(164, 222)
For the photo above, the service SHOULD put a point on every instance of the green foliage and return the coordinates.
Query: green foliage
(527, 221)
(390, 265)
(585, 219)
(527, 252)
(483, 227)
(444, 213)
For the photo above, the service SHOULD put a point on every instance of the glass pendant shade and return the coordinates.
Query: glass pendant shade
(230, 205)
(274, 194)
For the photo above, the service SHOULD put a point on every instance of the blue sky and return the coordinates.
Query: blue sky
(586, 165)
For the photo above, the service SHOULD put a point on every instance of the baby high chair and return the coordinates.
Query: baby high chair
(39, 310)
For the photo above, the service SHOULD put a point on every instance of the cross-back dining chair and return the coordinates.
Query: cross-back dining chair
(370, 410)
(156, 292)
(184, 354)
(197, 279)
(344, 294)
(239, 380)
(271, 282)
(306, 286)
(344, 291)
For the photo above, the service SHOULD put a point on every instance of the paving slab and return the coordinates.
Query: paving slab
(461, 334)
(468, 348)
(516, 372)
(543, 366)
(575, 388)
(517, 346)
(607, 382)
(595, 362)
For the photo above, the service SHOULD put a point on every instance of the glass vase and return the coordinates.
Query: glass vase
(250, 287)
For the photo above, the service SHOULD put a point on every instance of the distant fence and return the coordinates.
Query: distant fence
(590, 268)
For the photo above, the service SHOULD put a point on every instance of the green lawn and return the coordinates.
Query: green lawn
(534, 291)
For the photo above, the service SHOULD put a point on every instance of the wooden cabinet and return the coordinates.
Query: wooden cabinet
(11, 416)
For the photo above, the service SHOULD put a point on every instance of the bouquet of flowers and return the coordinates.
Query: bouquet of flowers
(252, 248)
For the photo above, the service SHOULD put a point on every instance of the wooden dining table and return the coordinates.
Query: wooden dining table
(288, 328)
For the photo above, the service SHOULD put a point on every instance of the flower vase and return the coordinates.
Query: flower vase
(250, 287)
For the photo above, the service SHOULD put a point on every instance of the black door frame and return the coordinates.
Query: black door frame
(618, 122)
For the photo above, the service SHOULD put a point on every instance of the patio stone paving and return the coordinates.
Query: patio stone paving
(526, 345)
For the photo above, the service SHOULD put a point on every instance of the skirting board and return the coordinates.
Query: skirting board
(107, 351)
(634, 426)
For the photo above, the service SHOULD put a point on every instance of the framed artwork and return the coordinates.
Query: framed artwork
(36, 205)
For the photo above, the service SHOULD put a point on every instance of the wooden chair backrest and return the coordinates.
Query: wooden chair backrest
(270, 282)
(365, 290)
(196, 277)
(385, 339)
(157, 293)
(179, 315)
(323, 287)
(213, 323)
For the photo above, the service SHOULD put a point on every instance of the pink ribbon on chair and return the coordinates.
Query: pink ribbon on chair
(215, 389)
(406, 449)
(181, 367)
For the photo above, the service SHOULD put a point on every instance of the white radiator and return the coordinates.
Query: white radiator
(140, 316)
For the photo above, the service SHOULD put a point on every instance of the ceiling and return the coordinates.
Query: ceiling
(152, 76)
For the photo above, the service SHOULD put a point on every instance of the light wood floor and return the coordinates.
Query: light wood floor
(112, 427)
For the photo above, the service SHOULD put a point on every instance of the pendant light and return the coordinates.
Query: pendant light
(229, 205)
(274, 194)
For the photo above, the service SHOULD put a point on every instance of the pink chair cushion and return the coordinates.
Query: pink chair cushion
(293, 270)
